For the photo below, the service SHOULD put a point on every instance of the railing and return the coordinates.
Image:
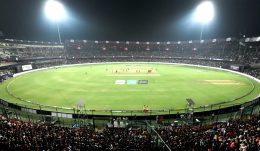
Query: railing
(131, 114)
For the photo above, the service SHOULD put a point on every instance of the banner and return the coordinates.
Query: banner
(27, 67)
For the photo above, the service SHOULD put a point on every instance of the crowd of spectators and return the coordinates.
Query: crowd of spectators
(5, 74)
(233, 135)
(220, 49)
(217, 52)
(16, 51)
(232, 50)
(254, 72)
(41, 52)
(147, 49)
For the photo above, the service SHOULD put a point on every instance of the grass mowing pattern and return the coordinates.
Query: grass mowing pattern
(168, 87)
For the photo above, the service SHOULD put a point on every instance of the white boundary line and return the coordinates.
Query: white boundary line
(191, 65)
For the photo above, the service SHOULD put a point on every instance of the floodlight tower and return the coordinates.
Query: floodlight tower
(203, 14)
(55, 11)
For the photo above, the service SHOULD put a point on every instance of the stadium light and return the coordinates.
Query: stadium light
(55, 11)
(204, 13)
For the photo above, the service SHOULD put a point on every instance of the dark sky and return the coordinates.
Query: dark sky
(142, 20)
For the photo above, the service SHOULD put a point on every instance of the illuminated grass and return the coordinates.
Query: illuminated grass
(95, 85)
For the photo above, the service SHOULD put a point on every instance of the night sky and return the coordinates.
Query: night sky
(128, 20)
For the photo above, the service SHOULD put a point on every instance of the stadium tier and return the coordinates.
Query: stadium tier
(225, 136)
(217, 49)
(243, 54)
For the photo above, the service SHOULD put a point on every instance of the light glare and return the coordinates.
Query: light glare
(204, 12)
(54, 10)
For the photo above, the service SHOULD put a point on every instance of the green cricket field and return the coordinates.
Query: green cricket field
(129, 86)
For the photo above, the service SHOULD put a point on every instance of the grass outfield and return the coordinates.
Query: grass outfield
(168, 87)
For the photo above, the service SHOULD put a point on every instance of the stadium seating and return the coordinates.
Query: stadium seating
(216, 52)
(225, 136)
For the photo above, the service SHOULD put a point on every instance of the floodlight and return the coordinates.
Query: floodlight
(54, 10)
(204, 13)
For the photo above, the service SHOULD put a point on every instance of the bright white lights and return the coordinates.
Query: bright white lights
(54, 10)
(204, 12)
